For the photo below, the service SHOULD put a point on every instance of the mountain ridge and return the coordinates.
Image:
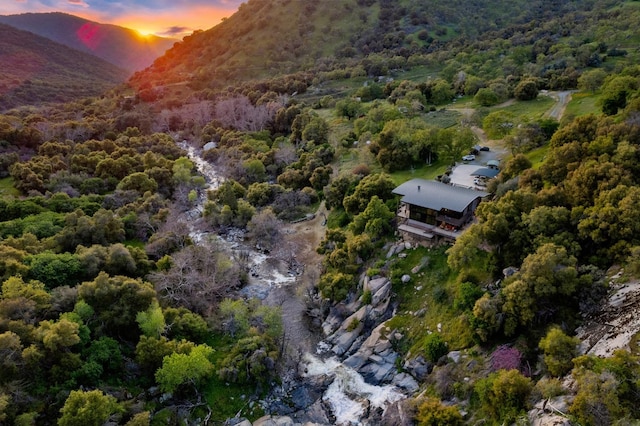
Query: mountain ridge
(123, 47)
(37, 70)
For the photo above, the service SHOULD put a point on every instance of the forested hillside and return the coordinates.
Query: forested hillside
(130, 292)
(122, 47)
(37, 70)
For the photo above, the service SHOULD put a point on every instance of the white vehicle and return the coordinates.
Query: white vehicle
(468, 157)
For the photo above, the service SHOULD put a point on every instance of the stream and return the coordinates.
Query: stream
(344, 397)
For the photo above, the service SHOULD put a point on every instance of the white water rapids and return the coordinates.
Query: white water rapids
(345, 395)
(348, 396)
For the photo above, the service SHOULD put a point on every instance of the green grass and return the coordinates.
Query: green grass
(424, 172)
(582, 103)
(433, 289)
(442, 118)
(7, 188)
(537, 156)
(530, 110)
(228, 399)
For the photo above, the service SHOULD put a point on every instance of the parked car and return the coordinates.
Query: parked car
(468, 157)
(484, 148)
(480, 182)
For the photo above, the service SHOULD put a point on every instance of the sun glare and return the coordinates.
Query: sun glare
(144, 33)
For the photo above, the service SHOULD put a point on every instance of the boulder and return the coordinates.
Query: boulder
(377, 373)
(379, 310)
(418, 367)
(405, 278)
(400, 413)
(376, 284)
(454, 356)
(349, 331)
(406, 382)
(381, 294)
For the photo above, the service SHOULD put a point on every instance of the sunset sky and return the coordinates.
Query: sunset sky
(169, 18)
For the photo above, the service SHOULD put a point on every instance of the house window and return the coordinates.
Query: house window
(422, 214)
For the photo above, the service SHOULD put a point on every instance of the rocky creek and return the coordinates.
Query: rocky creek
(345, 370)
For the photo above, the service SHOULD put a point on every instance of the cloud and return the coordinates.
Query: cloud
(175, 31)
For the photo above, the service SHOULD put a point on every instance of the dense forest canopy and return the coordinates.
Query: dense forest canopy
(113, 306)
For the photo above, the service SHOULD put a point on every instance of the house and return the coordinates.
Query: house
(435, 212)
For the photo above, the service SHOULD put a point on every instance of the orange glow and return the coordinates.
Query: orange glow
(184, 21)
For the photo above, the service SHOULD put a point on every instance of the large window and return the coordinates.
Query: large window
(422, 214)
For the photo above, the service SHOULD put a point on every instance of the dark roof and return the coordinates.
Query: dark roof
(486, 172)
(437, 195)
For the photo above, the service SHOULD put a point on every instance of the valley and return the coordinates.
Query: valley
(361, 212)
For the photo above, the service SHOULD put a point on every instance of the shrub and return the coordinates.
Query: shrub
(559, 351)
(503, 395)
(431, 412)
(435, 347)
(506, 358)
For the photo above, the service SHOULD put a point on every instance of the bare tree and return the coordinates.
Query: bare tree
(265, 230)
(199, 277)
(239, 113)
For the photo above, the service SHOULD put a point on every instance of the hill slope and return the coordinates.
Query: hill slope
(120, 46)
(267, 37)
(37, 70)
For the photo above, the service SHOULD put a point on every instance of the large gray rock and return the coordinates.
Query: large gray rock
(379, 310)
(349, 331)
(418, 367)
(376, 284)
(382, 293)
(377, 373)
(399, 413)
(406, 382)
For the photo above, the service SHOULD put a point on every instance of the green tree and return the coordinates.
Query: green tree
(379, 185)
(151, 321)
(178, 369)
(348, 108)
(545, 274)
(316, 131)
(138, 181)
(55, 269)
(591, 80)
(498, 124)
(58, 335)
(559, 351)
(526, 90)
(375, 220)
(15, 287)
(503, 395)
(90, 408)
(486, 97)
(117, 301)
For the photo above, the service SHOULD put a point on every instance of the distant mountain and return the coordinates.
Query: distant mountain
(36, 70)
(122, 47)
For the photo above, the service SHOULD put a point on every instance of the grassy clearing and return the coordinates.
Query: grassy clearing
(427, 171)
(582, 103)
(442, 118)
(530, 110)
(7, 189)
